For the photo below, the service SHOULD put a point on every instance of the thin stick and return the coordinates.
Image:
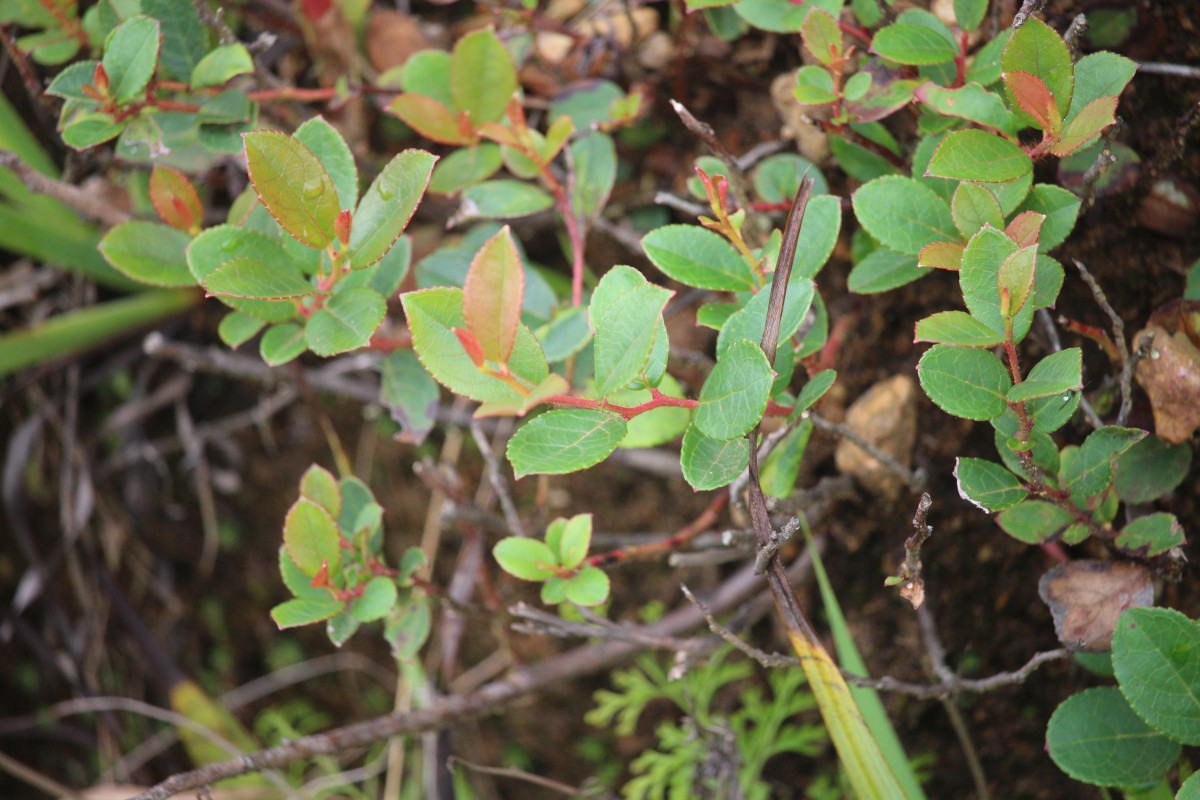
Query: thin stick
(73, 196)
(496, 479)
(1118, 327)
(913, 478)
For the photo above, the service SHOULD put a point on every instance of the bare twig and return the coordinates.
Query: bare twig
(913, 585)
(688, 207)
(1074, 32)
(736, 176)
(1118, 328)
(496, 479)
(1174, 70)
(913, 478)
(1104, 159)
(1028, 9)
(73, 196)
(516, 774)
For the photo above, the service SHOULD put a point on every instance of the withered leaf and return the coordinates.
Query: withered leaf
(1086, 597)
(1171, 378)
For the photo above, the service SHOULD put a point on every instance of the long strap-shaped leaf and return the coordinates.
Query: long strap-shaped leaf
(866, 768)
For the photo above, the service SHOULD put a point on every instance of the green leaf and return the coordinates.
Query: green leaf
(432, 314)
(564, 440)
(747, 322)
(527, 559)
(818, 235)
(1035, 48)
(858, 162)
(292, 185)
(973, 155)
(566, 334)
(410, 394)
(969, 13)
(963, 382)
(883, 270)
(427, 73)
(778, 16)
(1082, 129)
(465, 167)
(258, 280)
(345, 322)
(986, 485)
(1015, 279)
(913, 44)
(376, 601)
(340, 628)
(408, 630)
(1150, 536)
(1156, 658)
(1051, 413)
(311, 538)
(698, 257)
(979, 274)
(282, 343)
(624, 310)
(237, 328)
(821, 35)
(586, 103)
(1091, 472)
(184, 40)
(221, 64)
(1033, 521)
(972, 207)
(957, 328)
(430, 118)
(149, 252)
(68, 83)
(589, 588)
(502, 199)
(903, 214)
(492, 296)
(385, 209)
(1056, 374)
(319, 485)
(595, 160)
(334, 154)
(782, 466)
(813, 391)
(574, 540)
(970, 102)
(777, 179)
(224, 243)
(305, 611)
(130, 57)
(1150, 469)
(709, 463)
(814, 86)
(734, 397)
(1099, 75)
(1095, 737)
(88, 130)
(297, 582)
(482, 76)
(1061, 208)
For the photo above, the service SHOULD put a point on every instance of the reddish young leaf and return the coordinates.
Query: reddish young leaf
(1091, 119)
(430, 118)
(293, 185)
(175, 199)
(1025, 227)
(1036, 100)
(341, 226)
(821, 35)
(471, 345)
(492, 296)
(500, 134)
(941, 255)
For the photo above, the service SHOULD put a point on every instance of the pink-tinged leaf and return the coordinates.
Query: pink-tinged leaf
(1090, 121)
(556, 137)
(1025, 228)
(1015, 279)
(500, 134)
(1036, 100)
(941, 255)
(430, 118)
(175, 199)
(471, 345)
(293, 185)
(492, 296)
(821, 35)
(341, 226)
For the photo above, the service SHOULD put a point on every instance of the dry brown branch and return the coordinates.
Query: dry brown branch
(78, 199)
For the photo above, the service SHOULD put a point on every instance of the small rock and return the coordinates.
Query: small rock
(885, 416)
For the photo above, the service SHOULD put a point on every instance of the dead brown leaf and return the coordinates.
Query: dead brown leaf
(391, 37)
(1170, 375)
(1086, 597)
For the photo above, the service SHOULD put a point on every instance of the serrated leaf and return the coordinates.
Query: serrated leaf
(253, 279)
(1086, 125)
(1095, 737)
(237, 328)
(986, 485)
(564, 440)
(334, 154)
(432, 315)
(813, 391)
(1091, 471)
(748, 322)
(624, 311)
(818, 235)
(224, 243)
(430, 118)
(319, 485)
(883, 270)
(1060, 207)
(1150, 469)
(311, 537)
(492, 296)
(465, 167)
(916, 45)
(1156, 659)
(1037, 49)
(657, 426)
(376, 601)
(1150, 536)
(482, 76)
(734, 396)
(1033, 521)
(588, 588)
(175, 200)
(345, 322)
(698, 257)
(978, 276)
(411, 395)
(903, 214)
(1056, 374)
(970, 13)
(292, 185)
(970, 102)
(148, 252)
(814, 86)
(502, 199)
(966, 383)
(1015, 279)
(956, 328)
(305, 611)
(1099, 75)
(821, 35)
(131, 56)
(709, 463)
(1034, 98)
(220, 64)
(184, 40)
(386, 207)
(973, 155)
(595, 162)
(282, 343)
(974, 206)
